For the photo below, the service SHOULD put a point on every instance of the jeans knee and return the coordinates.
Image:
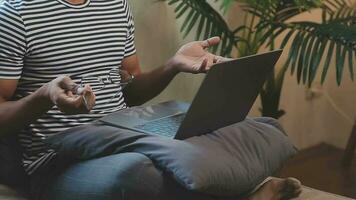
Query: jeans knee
(134, 177)
(126, 176)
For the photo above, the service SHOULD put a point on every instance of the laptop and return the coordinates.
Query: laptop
(225, 97)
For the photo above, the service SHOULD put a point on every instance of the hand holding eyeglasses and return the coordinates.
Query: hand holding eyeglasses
(69, 97)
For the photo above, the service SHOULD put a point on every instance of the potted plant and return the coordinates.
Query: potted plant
(313, 44)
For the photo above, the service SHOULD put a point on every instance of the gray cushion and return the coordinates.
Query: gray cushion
(230, 161)
(245, 154)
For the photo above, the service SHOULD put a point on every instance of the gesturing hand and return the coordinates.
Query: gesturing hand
(68, 97)
(195, 58)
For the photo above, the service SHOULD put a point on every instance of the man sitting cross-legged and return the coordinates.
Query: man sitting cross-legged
(53, 57)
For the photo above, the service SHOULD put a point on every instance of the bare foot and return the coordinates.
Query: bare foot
(278, 189)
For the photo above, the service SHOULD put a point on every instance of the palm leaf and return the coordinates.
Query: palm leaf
(313, 45)
(276, 11)
(337, 31)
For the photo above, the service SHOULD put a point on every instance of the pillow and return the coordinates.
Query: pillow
(227, 162)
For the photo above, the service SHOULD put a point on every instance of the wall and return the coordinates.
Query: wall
(157, 39)
(308, 122)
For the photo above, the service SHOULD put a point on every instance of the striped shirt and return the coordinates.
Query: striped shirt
(42, 39)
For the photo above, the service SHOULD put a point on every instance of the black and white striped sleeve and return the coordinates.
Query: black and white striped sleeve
(130, 48)
(12, 42)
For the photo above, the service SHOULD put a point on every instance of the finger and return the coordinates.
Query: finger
(220, 59)
(210, 64)
(67, 83)
(88, 87)
(86, 102)
(81, 90)
(224, 59)
(216, 59)
(76, 89)
(203, 66)
(83, 107)
(210, 42)
(70, 93)
(75, 104)
(88, 98)
(210, 60)
(71, 105)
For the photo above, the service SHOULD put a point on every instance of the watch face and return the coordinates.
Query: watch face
(126, 77)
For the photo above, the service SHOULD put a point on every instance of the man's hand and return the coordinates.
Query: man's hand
(68, 97)
(195, 58)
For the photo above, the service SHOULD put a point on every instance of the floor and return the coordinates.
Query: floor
(319, 167)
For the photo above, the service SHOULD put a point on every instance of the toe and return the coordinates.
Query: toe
(292, 188)
(294, 181)
(292, 184)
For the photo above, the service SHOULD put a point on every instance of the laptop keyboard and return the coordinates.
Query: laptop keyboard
(167, 126)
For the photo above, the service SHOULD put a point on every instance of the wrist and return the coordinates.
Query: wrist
(172, 66)
(42, 96)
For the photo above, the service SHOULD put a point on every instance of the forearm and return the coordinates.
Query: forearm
(148, 85)
(190, 58)
(15, 115)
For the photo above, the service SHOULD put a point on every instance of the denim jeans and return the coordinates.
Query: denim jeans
(127, 176)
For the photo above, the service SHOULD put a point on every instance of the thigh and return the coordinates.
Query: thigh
(127, 176)
(122, 176)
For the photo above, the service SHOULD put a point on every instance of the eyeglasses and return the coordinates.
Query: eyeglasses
(114, 78)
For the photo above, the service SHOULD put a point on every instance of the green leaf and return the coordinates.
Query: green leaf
(310, 41)
(208, 29)
(338, 27)
(317, 55)
(327, 61)
(294, 51)
(286, 39)
(351, 67)
(307, 59)
(302, 54)
(186, 21)
(200, 28)
(182, 10)
(340, 61)
(193, 21)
